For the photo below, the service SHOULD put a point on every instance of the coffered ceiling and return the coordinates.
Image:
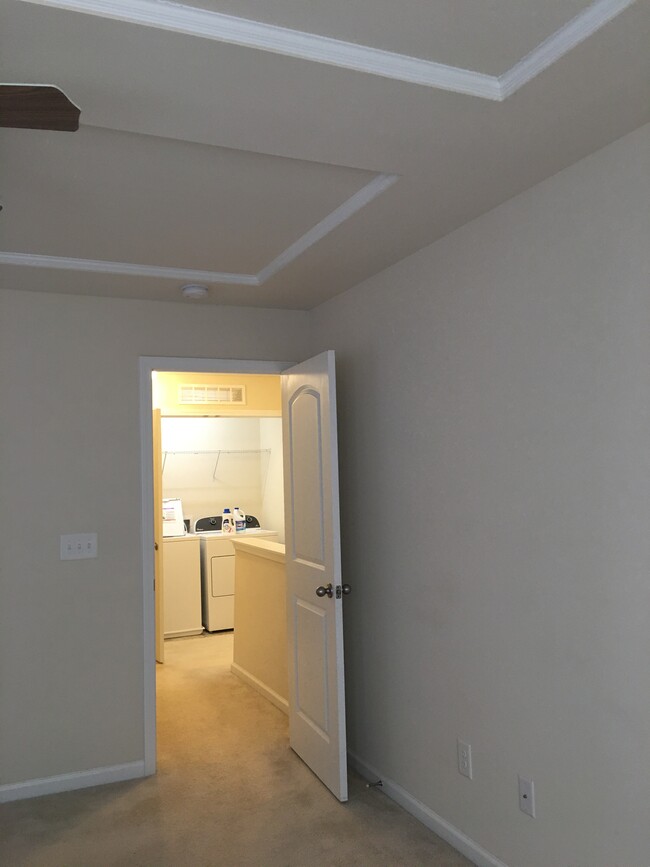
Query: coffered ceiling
(281, 152)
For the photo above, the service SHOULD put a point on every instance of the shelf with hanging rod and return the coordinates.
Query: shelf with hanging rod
(217, 453)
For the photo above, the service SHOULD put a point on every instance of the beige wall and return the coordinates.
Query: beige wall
(260, 640)
(272, 473)
(71, 632)
(494, 394)
(214, 463)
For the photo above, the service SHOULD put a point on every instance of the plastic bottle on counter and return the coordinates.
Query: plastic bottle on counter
(240, 520)
(227, 522)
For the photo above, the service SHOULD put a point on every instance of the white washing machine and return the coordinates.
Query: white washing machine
(218, 576)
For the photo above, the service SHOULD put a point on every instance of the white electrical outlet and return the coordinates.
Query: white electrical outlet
(79, 546)
(527, 796)
(464, 759)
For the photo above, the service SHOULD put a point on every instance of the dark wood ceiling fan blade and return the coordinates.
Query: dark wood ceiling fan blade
(37, 106)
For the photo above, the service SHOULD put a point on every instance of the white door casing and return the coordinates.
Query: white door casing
(313, 560)
(158, 581)
(327, 759)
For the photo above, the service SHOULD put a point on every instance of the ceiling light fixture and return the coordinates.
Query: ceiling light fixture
(194, 291)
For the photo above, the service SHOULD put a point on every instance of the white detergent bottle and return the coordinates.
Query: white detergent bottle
(240, 520)
(227, 522)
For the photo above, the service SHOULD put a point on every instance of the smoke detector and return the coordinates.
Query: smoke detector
(194, 291)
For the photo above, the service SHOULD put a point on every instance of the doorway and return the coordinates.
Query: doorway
(148, 366)
(314, 588)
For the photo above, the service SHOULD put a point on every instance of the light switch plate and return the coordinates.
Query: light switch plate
(79, 546)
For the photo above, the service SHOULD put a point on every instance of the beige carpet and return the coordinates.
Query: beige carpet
(229, 791)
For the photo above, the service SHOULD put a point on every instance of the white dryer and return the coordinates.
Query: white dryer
(218, 576)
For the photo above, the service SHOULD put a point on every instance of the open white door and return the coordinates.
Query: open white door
(313, 556)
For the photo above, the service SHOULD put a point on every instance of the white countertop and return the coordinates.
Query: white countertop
(261, 548)
(243, 534)
(186, 538)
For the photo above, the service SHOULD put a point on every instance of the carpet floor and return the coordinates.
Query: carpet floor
(229, 791)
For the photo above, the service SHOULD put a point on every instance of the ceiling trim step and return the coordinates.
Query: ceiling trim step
(379, 184)
(548, 52)
(129, 269)
(205, 24)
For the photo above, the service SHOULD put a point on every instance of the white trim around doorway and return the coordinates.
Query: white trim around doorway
(149, 364)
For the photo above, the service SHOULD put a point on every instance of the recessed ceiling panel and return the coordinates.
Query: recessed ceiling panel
(487, 36)
(100, 194)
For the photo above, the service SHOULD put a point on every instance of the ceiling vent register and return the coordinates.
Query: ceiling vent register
(212, 394)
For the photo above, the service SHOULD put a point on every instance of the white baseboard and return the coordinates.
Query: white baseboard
(463, 844)
(68, 782)
(262, 688)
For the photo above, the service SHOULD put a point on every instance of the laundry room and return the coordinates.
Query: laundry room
(220, 455)
(221, 441)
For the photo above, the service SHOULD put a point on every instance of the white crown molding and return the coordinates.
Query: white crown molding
(101, 266)
(359, 200)
(580, 28)
(206, 24)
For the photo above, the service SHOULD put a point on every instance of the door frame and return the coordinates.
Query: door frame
(166, 364)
